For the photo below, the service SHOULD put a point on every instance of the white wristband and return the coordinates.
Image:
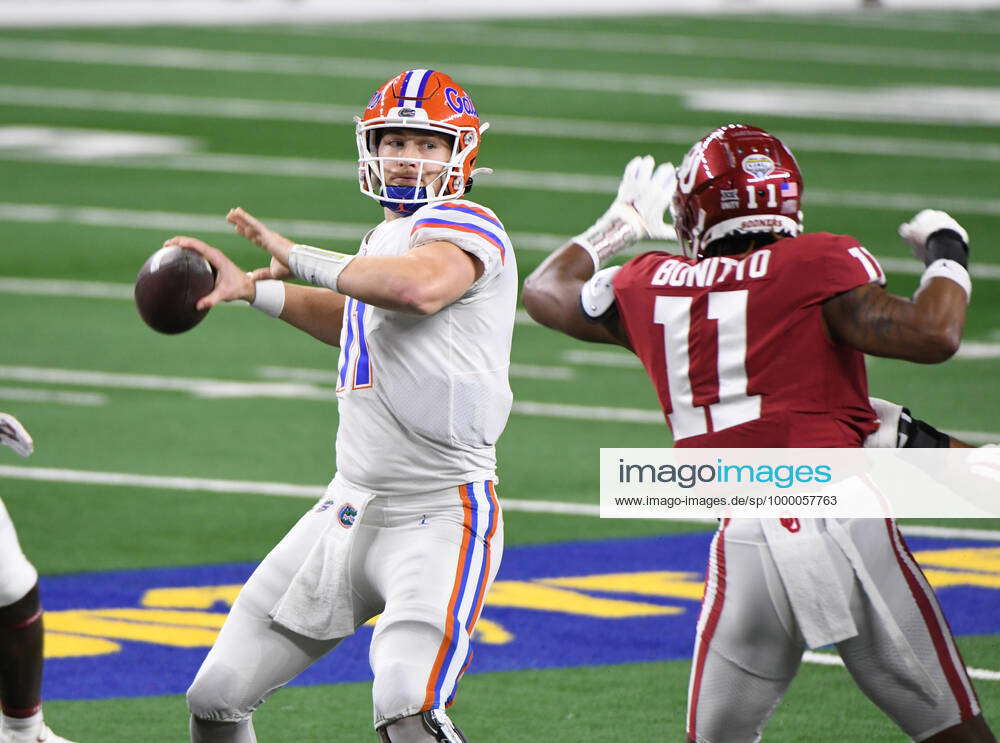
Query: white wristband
(619, 228)
(269, 297)
(318, 267)
(948, 269)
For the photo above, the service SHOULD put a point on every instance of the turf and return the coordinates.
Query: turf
(69, 527)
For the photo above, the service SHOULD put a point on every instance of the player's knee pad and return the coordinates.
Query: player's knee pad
(216, 695)
(432, 726)
(402, 659)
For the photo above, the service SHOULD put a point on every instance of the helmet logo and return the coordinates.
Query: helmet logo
(375, 99)
(459, 104)
(729, 198)
(758, 165)
(408, 112)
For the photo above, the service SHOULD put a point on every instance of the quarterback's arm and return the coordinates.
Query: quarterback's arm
(319, 312)
(551, 295)
(422, 281)
(926, 329)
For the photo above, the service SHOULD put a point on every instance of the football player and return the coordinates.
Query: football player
(755, 338)
(410, 527)
(21, 631)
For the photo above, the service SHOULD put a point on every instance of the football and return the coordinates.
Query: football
(167, 287)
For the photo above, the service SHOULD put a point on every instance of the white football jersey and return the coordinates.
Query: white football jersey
(423, 399)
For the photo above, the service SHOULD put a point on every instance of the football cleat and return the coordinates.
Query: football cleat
(738, 180)
(44, 735)
(425, 100)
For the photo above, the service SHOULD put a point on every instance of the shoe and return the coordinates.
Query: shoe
(44, 735)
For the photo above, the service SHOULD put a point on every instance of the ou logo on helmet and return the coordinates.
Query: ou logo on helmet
(687, 173)
(459, 103)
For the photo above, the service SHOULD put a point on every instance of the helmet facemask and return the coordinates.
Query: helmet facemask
(450, 183)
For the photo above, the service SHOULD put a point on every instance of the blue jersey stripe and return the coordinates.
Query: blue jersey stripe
(347, 344)
(474, 213)
(363, 377)
(435, 222)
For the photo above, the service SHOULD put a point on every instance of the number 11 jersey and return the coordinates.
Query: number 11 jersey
(737, 347)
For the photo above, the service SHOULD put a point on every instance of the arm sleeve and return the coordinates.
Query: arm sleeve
(473, 228)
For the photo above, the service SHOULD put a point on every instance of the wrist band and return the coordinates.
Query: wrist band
(948, 269)
(948, 244)
(269, 297)
(318, 267)
(619, 228)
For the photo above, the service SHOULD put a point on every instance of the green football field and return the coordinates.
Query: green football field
(151, 451)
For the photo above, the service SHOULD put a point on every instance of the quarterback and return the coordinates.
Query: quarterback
(21, 631)
(410, 528)
(755, 337)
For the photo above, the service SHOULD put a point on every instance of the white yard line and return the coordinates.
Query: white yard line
(59, 397)
(373, 70)
(324, 113)
(329, 376)
(829, 659)
(211, 485)
(666, 44)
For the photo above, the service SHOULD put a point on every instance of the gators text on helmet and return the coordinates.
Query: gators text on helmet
(427, 100)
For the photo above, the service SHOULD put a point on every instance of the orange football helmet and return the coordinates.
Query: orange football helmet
(428, 100)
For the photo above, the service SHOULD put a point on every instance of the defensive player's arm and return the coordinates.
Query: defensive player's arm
(926, 329)
(551, 295)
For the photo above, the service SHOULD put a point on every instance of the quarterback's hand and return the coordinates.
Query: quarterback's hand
(230, 282)
(648, 192)
(277, 270)
(12, 434)
(257, 232)
(887, 435)
(923, 225)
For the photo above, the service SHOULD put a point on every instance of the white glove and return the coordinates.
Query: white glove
(985, 461)
(649, 193)
(12, 434)
(887, 435)
(925, 224)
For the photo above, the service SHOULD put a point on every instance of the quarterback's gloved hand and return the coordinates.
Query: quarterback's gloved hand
(927, 246)
(12, 434)
(648, 192)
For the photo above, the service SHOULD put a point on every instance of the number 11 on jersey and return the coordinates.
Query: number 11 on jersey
(734, 406)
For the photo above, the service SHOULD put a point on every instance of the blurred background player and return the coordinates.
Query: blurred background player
(410, 527)
(21, 630)
(755, 338)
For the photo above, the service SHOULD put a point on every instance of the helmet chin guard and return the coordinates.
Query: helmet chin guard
(429, 102)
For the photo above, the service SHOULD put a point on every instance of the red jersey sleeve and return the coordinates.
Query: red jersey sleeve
(826, 265)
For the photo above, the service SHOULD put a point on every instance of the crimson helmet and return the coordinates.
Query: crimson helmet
(736, 181)
(427, 100)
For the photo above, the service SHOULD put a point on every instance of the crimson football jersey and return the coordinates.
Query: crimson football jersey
(737, 347)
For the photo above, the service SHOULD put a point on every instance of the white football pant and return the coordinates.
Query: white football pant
(749, 646)
(424, 561)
